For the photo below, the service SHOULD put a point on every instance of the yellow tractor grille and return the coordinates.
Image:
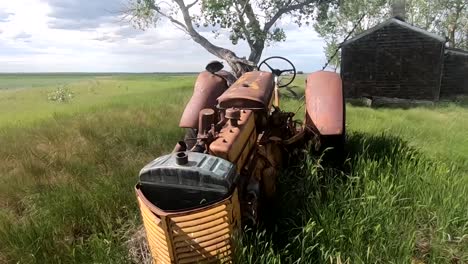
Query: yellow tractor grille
(155, 234)
(203, 235)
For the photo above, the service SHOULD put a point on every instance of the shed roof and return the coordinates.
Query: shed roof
(398, 22)
(456, 51)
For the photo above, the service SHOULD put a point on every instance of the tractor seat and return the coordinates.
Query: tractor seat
(252, 90)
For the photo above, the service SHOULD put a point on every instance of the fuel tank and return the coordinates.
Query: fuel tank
(251, 90)
(207, 89)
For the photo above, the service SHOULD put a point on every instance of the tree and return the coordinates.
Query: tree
(252, 21)
(335, 22)
(444, 17)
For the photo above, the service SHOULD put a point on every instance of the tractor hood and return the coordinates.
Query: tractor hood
(251, 90)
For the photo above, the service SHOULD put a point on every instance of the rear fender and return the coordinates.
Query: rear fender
(207, 89)
(325, 103)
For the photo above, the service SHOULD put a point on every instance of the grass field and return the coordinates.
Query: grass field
(67, 171)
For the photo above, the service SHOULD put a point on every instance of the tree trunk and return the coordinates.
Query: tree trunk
(239, 65)
(238, 68)
(256, 52)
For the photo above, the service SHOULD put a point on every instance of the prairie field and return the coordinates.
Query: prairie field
(67, 172)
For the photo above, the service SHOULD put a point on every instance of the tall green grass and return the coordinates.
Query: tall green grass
(66, 183)
(24, 107)
(390, 205)
(67, 173)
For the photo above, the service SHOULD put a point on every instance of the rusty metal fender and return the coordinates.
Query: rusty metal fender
(325, 110)
(207, 89)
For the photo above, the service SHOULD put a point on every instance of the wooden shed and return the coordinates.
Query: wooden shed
(393, 59)
(455, 74)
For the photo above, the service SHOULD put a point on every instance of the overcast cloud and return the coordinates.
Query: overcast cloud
(89, 36)
(82, 14)
(22, 36)
(4, 15)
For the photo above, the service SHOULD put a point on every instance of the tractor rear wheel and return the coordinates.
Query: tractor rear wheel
(334, 148)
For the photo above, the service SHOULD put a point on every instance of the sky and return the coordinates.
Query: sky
(90, 36)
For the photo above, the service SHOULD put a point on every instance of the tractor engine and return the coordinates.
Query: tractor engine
(256, 158)
(247, 131)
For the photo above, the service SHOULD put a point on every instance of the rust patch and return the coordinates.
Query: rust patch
(252, 90)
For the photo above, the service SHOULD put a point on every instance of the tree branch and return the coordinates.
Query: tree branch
(453, 30)
(248, 10)
(242, 22)
(286, 9)
(257, 42)
(177, 23)
(192, 4)
(174, 21)
(219, 52)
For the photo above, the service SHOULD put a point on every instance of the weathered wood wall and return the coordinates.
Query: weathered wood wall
(455, 74)
(393, 61)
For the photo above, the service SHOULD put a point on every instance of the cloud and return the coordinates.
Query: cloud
(61, 29)
(107, 38)
(22, 36)
(118, 34)
(80, 15)
(5, 16)
(128, 32)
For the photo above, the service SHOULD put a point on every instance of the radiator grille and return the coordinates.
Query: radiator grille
(202, 236)
(155, 235)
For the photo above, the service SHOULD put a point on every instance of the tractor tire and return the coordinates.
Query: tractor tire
(334, 148)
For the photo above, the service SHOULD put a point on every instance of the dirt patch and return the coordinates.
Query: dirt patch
(138, 249)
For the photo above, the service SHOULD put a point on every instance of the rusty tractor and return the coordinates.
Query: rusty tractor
(194, 200)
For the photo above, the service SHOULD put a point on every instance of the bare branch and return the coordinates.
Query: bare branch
(192, 4)
(174, 21)
(198, 38)
(286, 9)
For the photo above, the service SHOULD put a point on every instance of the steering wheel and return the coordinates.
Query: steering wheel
(284, 81)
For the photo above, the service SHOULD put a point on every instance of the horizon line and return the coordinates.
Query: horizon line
(102, 72)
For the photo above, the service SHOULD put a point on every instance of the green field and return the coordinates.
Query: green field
(67, 172)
